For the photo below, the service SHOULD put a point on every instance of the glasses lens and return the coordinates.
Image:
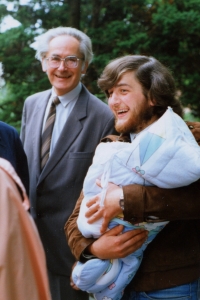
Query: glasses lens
(71, 61)
(54, 62)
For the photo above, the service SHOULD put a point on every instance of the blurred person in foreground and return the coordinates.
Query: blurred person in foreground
(59, 158)
(171, 264)
(22, 258)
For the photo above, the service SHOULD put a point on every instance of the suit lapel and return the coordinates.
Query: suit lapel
(71, 130)
(38, 117)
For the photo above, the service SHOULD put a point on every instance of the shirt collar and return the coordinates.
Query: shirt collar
(68, 97)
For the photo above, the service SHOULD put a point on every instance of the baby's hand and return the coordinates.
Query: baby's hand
(110, 209)
(71, 280)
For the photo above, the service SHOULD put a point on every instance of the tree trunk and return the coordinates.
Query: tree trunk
(75, 7)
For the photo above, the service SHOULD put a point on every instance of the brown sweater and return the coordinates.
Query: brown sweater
(173, 258)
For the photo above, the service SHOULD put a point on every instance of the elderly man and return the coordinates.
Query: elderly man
(140, 90)
(61, 128)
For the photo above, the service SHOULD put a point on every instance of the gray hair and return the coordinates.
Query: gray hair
(44, 39)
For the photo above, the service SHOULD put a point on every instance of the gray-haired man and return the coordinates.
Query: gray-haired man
(81, 121)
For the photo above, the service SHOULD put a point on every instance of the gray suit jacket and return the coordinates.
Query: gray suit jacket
(54, 192)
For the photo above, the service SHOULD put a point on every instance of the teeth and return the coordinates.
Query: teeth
(62, 76)
(121, 111)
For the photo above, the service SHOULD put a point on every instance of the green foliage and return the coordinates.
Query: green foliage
(175, 40)
(22, 73)
(166, 29)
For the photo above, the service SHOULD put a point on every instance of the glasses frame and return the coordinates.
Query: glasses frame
(64, 59)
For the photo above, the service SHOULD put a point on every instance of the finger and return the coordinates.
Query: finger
(104, 225)
(134, 235)
(115, 231)
(72, 284)
(136, 241)
(137, 244)
(131, 245)
(92, 210)
(93, 200)
(132, 248)
(95, 216)
(139, 236)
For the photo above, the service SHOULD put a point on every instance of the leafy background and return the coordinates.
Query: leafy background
(167, 29)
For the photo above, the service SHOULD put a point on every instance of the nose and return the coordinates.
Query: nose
(62, 65)
(113, 100)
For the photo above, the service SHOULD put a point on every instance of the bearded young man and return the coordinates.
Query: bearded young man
(171, 263)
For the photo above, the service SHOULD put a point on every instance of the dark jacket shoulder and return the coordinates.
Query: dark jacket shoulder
(12, 150)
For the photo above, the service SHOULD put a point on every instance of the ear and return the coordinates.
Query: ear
(84, 68)
(152, 102)
(44, 65)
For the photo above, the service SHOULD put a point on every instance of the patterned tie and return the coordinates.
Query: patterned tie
(47, 133)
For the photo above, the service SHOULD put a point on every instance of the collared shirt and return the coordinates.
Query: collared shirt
(63, 110)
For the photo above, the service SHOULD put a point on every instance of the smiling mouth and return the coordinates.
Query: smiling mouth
(121, 112)
(62, 77)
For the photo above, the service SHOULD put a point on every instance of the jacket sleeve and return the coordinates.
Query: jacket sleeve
(76, 241)
(141, 203)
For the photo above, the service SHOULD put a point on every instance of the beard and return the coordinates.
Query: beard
(136, 122)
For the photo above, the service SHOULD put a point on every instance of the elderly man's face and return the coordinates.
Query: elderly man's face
(62, 78)
(133, 112)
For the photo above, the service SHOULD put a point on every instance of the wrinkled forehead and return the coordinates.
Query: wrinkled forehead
(63, 45)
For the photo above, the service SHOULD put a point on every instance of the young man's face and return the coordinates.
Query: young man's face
(133, 112)
(64, 79)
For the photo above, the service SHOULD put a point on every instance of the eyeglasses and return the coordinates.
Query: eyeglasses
(69, 61)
